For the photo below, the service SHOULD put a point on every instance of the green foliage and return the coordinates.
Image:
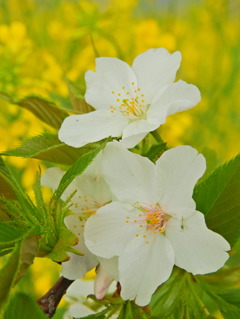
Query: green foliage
(155, 151)
(47, 147)
(218, 198)
(222, 299)
(42, 108)
(77, 98)
(45, 110)
(130, 310)
(66, 239)
(23, 306)
(17, 264)
(9, 235)
(6, 183)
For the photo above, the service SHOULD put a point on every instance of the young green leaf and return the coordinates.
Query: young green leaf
(156, 151)
(7, 274)
(45, 110)
(77, 98)
(9, 235)
(29, 250)
(130, 310)
(6, 183)
(23, 306)
(65, 241)
(17, 264)
(218, 198)
(47, 147)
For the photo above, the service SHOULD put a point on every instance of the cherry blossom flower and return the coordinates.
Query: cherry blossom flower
(153, 224)
(132, 101)
(92, 192)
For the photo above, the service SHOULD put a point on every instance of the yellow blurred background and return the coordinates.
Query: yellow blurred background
(43, 42)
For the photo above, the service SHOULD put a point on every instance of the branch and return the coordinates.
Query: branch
(49, 302)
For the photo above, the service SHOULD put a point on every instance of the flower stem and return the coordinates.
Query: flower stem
(157, 137)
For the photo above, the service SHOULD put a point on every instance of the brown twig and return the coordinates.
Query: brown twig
(49, 302)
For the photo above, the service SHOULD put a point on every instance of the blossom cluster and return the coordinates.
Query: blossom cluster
(135, 219)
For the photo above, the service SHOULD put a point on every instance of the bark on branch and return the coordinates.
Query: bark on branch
(49, 302)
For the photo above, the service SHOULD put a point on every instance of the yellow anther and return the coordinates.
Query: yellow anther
(113, 92)
(133, 83)
(119, 94)
(127, 221)
(147, 242)
(144, 236)
(137, 235)
(139, 89)
(123, 87)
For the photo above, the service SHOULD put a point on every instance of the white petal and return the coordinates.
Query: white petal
(132, 140)
(79, 130)
(93, 191)
(52, 177)
(107, 233)
(154, 69)
(78, 309)
(177, 97)
(178, 170)
(134, 132)
(110, 266)
(79, 289)
(197, 249)
(144, 266)
(78, 266)
(111, 75)
(130, 176)
(106, 272)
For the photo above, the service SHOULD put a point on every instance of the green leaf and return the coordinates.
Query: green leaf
(23, 306)
(17, 265)
(79, 166)
(42, 108)
(130, 310)
(45, 110)
(94, 316)
(7, 274)
(9, 235)
(29, 250)
(64, 243)
(218, 198)
(156, 151)
(6, 183)
(77, 98)
(229, 308)
(47, 147)
(232, 296)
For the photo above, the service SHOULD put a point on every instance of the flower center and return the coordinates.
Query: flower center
(151, 218)
(130, 103)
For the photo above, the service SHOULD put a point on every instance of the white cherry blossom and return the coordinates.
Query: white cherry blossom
(153, 223)
(130, 101)
(92, 192)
